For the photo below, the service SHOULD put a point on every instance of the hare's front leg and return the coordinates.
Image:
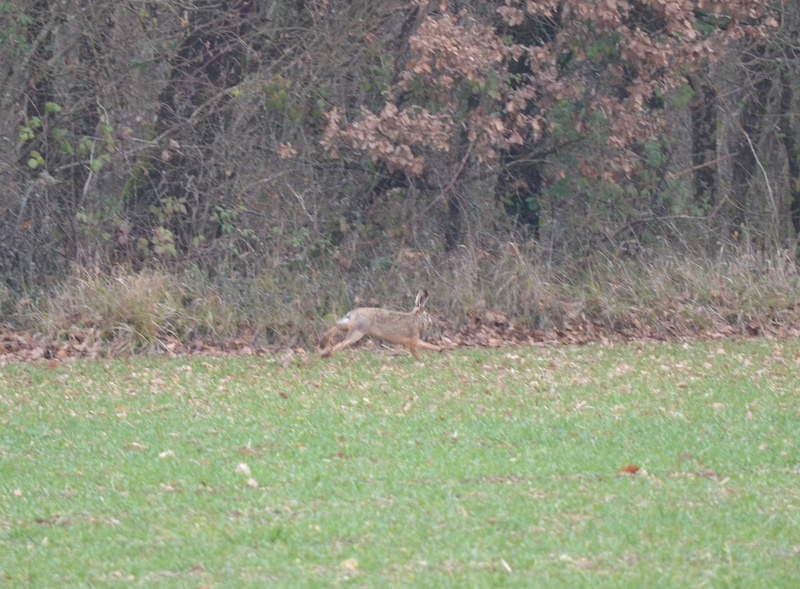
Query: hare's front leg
(427, 346)
(412, 347)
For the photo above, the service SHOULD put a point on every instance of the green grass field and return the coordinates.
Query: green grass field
(499, 468)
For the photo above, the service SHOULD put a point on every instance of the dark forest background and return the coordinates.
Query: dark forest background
(223, 169)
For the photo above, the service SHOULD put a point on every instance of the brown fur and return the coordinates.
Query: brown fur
(393, 326)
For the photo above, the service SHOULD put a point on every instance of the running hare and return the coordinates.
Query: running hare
(393, 326)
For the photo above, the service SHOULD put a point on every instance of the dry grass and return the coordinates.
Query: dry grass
(127, 310)
(661, 295)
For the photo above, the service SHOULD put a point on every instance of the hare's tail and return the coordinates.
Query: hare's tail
(345, 320)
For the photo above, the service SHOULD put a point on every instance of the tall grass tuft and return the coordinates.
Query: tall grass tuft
(128, 310)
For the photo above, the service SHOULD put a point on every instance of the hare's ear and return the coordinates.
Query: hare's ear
(422, 298)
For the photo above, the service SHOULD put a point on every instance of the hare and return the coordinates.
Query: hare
(393, 326)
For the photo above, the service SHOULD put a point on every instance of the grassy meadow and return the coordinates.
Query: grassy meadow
(624, 465)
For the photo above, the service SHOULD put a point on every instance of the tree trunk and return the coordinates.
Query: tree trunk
(704, 140)
(744, 159)
(788, 130)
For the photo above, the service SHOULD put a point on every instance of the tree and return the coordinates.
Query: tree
(573, 73)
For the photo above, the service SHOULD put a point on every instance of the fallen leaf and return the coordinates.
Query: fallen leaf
(630, 469)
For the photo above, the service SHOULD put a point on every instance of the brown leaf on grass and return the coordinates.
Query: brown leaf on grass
(630, 469)
(170, 487)
(197, 568)
(695, 474)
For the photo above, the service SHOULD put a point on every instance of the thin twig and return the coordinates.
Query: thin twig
(770, 195)
(452, 182)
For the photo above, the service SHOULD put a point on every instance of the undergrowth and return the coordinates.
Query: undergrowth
(660, 295)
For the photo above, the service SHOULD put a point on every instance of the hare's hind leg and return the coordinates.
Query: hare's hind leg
(326, 339)
(325, 342)
(351, 338)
